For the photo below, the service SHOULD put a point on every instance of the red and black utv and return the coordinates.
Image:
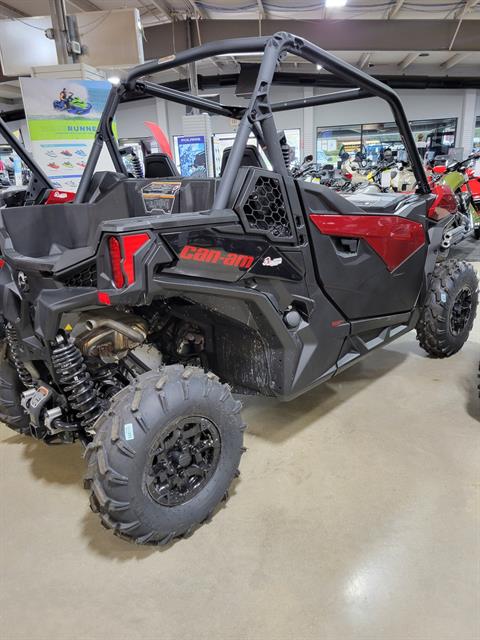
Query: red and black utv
(133, 314)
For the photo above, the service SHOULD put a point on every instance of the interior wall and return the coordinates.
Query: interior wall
(418, 104)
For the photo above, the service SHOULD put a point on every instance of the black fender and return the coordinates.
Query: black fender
(10, 299)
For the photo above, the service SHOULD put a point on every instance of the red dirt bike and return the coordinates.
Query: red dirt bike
(463, 177)
(473, 187)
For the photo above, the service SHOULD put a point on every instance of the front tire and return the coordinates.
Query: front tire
(450, 308)
(164, 455)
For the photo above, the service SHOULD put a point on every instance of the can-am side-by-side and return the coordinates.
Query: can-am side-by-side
(135, 314)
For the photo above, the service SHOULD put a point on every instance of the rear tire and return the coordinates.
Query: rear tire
(450, 308)
(11, 411)
(164, 455)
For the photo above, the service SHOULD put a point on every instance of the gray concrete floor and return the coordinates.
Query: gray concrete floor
(468, 249)
(356, 517)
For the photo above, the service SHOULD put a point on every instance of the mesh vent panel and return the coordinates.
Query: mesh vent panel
(265, 208)
(86, 277)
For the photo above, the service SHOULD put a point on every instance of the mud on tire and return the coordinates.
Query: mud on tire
(450, 308)
(164, 455)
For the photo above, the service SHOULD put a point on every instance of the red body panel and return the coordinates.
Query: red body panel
(393, 238)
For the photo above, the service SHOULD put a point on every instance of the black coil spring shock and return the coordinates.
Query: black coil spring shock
(75, 381)
(12, 340)
(136, 165)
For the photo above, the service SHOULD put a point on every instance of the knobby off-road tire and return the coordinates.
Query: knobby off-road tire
(451, 305)
(11, 411)
(142, 461)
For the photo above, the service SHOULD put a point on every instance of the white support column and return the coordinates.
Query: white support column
(467, 123)
(201, 125)
(308, 126)
(162, 116)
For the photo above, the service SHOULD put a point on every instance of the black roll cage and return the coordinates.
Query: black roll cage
(257, 117)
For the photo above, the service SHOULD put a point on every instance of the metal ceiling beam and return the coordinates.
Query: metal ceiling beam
(7, 11)
(468, 6)
(261, 9)
(395, 9)
(163, 7)
(457, 58)
(201, 12)
(363, 60)
(83, 5)
(335, 35)
(408, 60)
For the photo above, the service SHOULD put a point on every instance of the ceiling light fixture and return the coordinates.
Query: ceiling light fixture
(333, 4)
(319, 67)
(114, 80)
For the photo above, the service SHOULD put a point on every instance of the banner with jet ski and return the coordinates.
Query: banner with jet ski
(62, 117)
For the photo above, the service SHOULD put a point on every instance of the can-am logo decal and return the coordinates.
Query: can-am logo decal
(271, 262)
(216, 256)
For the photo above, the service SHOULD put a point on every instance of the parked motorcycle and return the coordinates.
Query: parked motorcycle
(466, 221)
(473, 187)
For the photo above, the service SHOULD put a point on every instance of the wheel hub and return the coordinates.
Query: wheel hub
(182, 460)
(461, 310)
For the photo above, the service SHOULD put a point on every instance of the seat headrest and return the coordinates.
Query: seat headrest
(251, 158)
(160, 165)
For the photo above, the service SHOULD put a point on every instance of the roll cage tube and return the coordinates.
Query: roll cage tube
(26, 158)
(257, 117)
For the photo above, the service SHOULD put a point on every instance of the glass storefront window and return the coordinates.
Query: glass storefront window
(332, 141)
(12, 169)
(476, 135)
(379, 136)
(433, 137)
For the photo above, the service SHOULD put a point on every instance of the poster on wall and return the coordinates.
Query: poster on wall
(222, 141)
(62, 118)
(293, 140)
(190, 156)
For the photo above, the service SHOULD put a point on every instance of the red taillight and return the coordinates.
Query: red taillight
(348, 176)
(131, 244)
(441, 168)
(116, 262)
(2, 263)
(444, 204)
(122, 252)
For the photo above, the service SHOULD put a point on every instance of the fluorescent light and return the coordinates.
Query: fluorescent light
(319, 67)
(335, 3)
(114, 80)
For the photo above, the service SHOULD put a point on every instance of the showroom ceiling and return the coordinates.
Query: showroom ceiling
(384, 37)
(160, 11)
